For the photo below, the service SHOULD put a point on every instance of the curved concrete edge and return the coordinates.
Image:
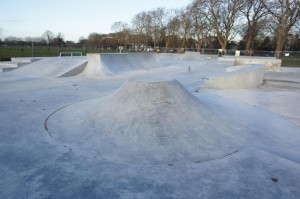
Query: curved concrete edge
(271, 63)
(250, 76)
(236, 68)
(26, 60)
(94, 66)
(75, 71)
(6, 66)
(102, 65)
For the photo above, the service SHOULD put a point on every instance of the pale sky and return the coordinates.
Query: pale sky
(73, 18)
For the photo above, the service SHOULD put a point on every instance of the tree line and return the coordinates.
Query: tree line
(203, 24)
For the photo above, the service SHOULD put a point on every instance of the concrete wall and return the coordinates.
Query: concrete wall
(271, 63)
(249, 76)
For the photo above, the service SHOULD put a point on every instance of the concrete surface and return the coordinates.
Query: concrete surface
(141, 134)
(51, 67)
(271, 63)
(238, 77)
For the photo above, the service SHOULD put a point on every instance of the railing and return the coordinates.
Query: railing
(289, 58)
(70, 53)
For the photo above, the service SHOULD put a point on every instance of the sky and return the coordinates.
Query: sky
(73, 18)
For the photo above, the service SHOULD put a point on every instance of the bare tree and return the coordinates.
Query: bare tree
(287, 14)
(122, 32)
(48, 37)
(157, 25)
(186, 27)
(94, 40)
(223, 15)
(200, 25)
(172, 28)
(257, 18)
(141, 28)
(59, 40)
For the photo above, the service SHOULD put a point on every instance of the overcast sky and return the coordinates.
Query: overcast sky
(73, 18)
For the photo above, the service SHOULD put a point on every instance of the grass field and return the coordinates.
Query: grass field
(6, 52)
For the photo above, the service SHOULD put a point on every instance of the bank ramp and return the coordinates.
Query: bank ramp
(52, 67)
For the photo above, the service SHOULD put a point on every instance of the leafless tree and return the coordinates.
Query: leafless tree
(172, 28)
(201, 27)
(256, 18)
(141, 28)
(223, 15)
(48, 37)
(286, 14)
(186, 27)
(94, 40)
(157, 25)
(122, 31)
(59, 40)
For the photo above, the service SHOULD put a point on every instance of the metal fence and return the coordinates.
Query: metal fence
(289, 58)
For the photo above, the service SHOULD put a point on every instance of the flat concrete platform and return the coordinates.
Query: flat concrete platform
(140, 131)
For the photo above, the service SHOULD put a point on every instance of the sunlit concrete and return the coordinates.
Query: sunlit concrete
(131, 126)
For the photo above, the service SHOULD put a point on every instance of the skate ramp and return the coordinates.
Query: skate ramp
(114, 64)
(51, 67)
(237, 77)
(146, 123)
(271, 63)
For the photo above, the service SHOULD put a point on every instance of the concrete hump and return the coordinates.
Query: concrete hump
(146, 123)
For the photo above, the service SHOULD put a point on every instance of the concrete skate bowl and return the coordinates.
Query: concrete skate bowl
(150, 123)
(114, 64)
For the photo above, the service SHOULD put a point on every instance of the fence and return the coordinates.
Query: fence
(289, 58)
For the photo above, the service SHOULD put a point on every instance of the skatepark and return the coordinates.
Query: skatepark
(149, 125)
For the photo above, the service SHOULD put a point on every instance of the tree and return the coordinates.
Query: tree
(201, 27)
(186, 27)
(172, 29)
(157, 25)
(122, 31)
(94, 40)
(141, 23)
(286, 14)
(48, 37)
(59, 40)
(257, 18)
(223, 15)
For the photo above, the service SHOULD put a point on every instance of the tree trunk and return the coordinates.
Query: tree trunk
(281, 38)
(222, 41)
(250, 41)
(279, 46)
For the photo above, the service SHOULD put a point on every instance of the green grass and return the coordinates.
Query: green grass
(7, 52)
(290, 62)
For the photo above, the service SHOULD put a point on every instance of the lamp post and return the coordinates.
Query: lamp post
(31, 48)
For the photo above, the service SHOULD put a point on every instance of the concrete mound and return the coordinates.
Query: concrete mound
(146, 123)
